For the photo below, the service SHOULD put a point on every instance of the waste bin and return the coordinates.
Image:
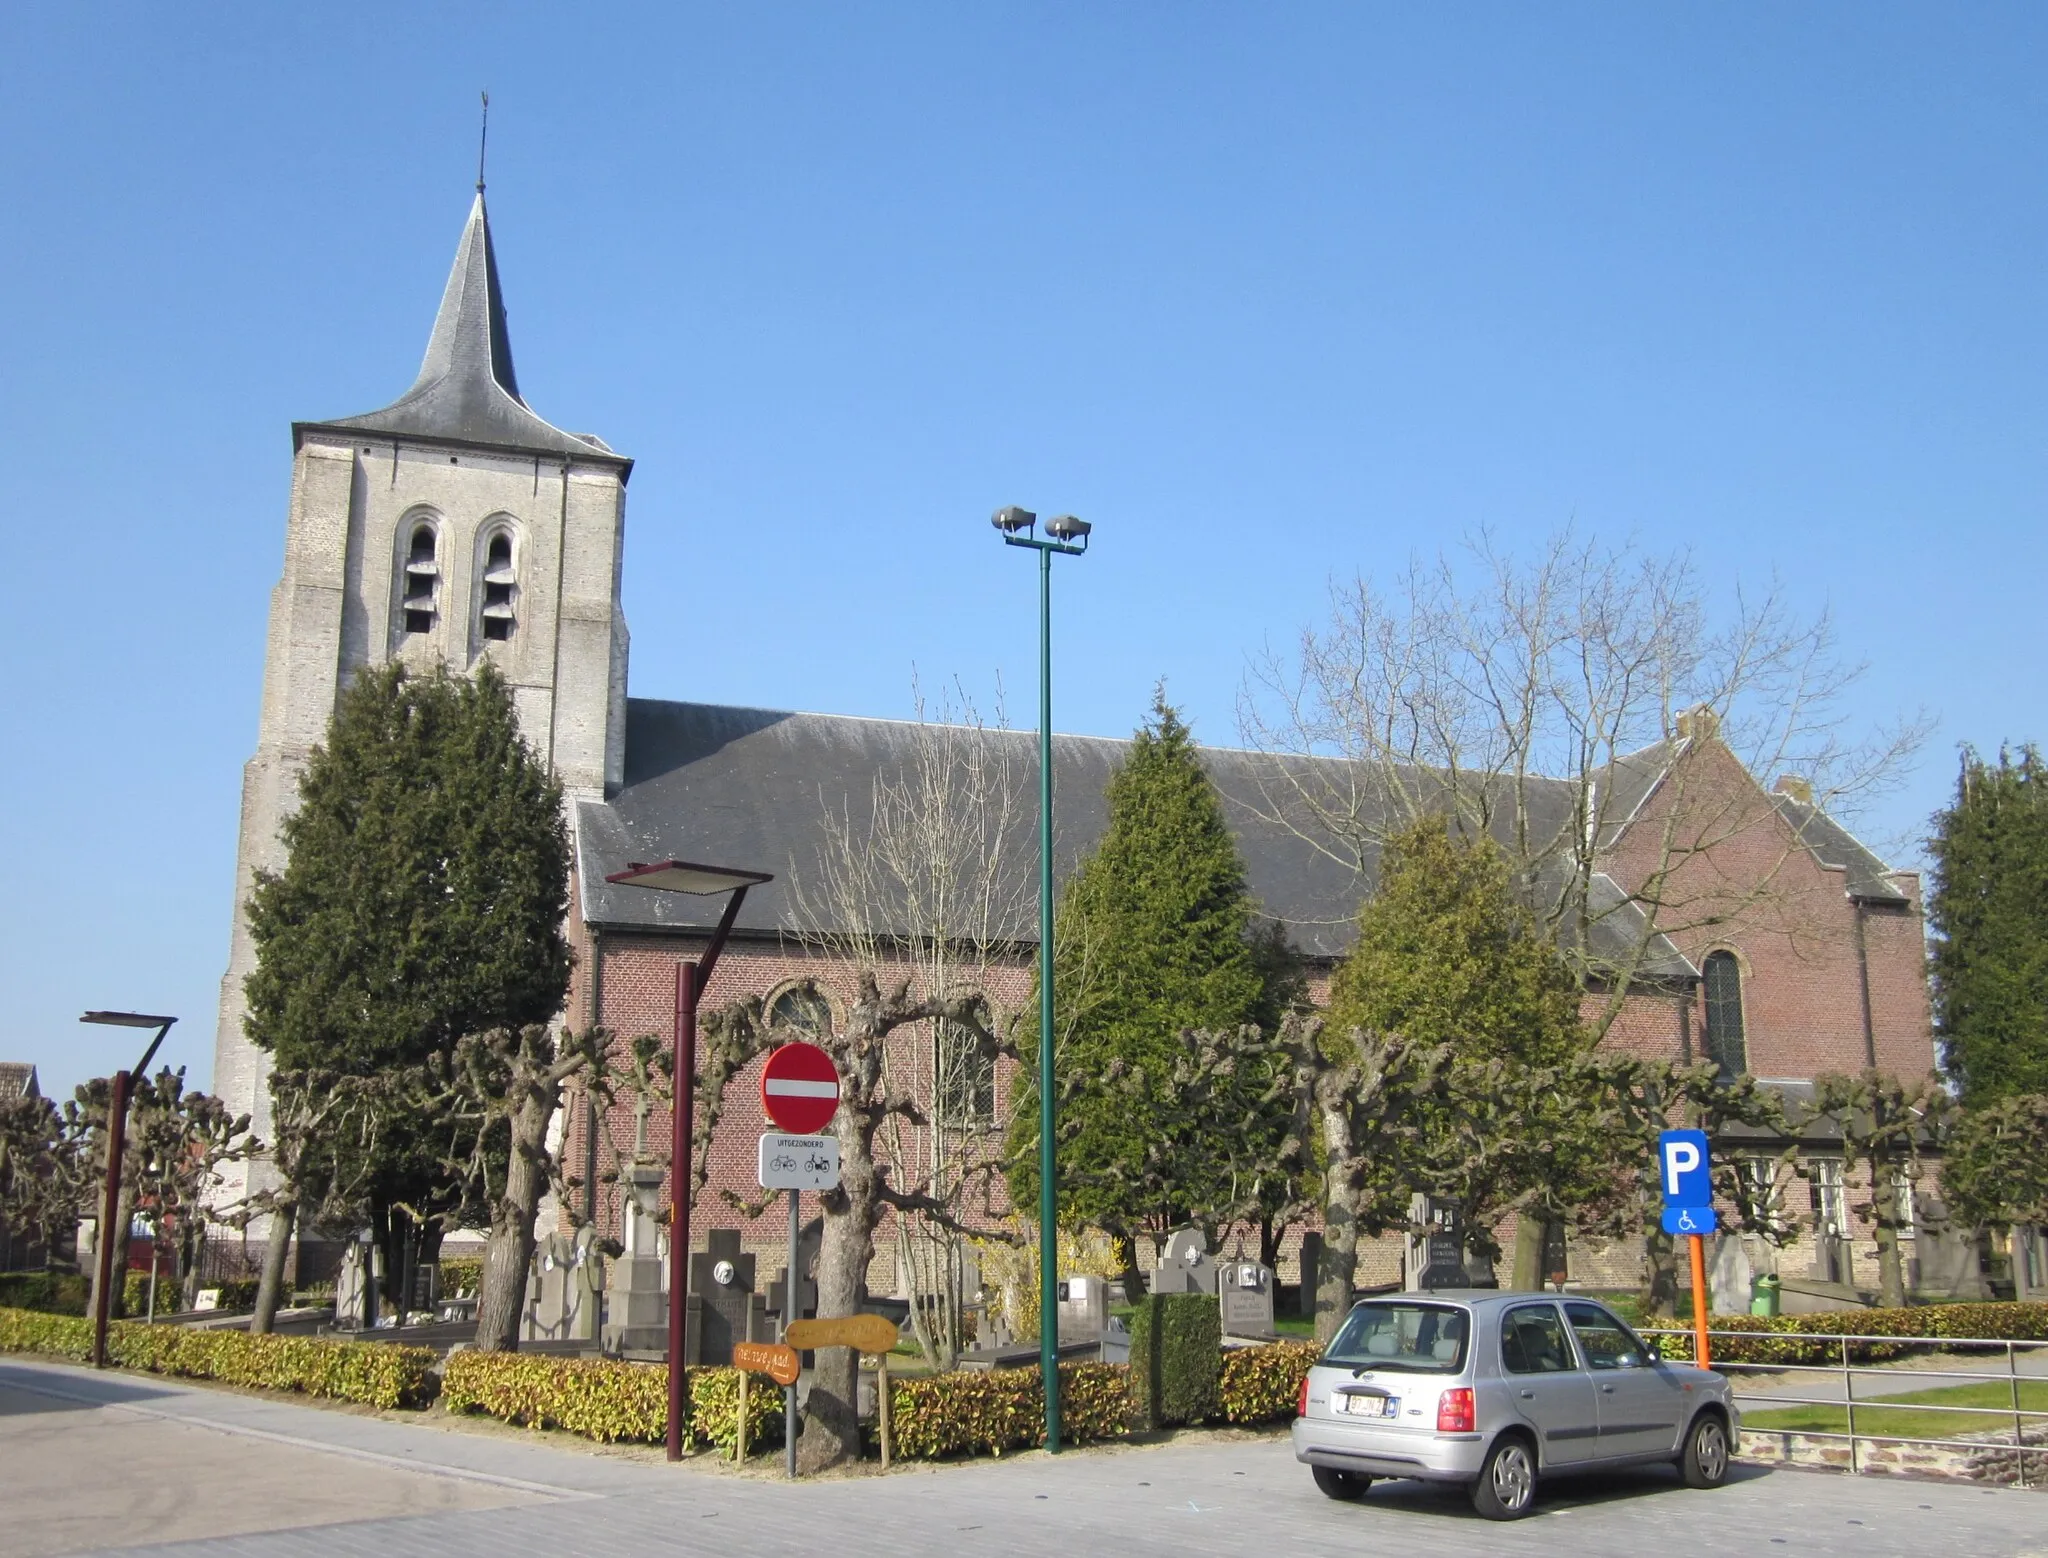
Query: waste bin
(1763, 1295)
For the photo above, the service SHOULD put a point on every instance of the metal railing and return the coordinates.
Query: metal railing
(1848, 1372)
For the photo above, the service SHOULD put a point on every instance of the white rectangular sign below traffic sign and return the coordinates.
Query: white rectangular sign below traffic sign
(799, 1162)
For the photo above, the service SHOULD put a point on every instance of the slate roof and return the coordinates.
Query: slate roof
(17, 1080)
(1865, 876)
(750, 787)
(467, 391)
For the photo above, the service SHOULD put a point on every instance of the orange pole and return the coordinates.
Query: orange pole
(1699, 1299)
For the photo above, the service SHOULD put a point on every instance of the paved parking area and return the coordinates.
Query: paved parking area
(337, 1484)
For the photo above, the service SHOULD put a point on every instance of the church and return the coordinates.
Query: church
(455, 525)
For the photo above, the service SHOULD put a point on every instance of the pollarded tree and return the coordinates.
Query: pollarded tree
(1156, 934)
(422, 900)
(1994, 1168)
(1989, 910)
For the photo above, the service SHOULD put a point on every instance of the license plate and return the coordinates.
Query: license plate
(1369, 1406)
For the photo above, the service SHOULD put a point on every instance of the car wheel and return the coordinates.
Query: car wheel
(1341, 1484)
(1703, 1463)
(1506, 1489)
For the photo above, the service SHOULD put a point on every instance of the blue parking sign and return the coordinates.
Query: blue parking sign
(1682, 1169)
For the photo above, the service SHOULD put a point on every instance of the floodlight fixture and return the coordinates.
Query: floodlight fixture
(1065, 527)
(1013, 519)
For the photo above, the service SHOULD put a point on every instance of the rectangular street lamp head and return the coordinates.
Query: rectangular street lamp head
(680, 876)
(1013, 519)
(127, 1020)
(1064, 527)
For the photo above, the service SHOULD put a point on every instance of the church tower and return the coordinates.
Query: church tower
(452, 526)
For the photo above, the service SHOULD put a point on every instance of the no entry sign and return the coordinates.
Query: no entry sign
(800, 1089)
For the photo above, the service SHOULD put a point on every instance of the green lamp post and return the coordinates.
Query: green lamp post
(1064, 533)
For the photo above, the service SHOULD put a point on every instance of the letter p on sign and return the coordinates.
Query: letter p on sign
(1682, 1156)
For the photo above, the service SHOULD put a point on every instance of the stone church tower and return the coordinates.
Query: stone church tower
(454, 525)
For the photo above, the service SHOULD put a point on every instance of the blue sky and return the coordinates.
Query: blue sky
(1267, 293)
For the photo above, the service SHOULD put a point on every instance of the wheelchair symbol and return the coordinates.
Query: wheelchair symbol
(1687, 1223)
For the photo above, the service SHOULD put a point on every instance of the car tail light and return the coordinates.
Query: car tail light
(1301, 1405)
(1454, 1414)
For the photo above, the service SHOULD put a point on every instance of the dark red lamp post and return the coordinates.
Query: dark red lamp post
(679, 876)
(117, 1141)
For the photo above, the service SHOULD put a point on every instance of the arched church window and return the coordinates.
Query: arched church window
(1722, 976)
(802, 1009)
(501, 583)
(420, 599)
(966, 1073)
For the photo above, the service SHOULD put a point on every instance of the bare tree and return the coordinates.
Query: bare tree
(870, 1098)
(1541, 702)
(929, 875)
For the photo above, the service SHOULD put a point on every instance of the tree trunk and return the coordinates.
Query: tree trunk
(1133, 1279)
(270, 1287)
(1660, 1276)
(124, 1219)
(509, 1255)
(1338, 1269)
(831, 1416)
(1529, 1242)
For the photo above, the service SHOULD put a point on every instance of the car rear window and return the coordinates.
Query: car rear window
(1415, 1338)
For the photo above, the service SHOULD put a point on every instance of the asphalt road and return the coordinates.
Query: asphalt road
(103, 1463)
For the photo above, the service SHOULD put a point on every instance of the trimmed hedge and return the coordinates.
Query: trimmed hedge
(1802, 1338)
(605, 1399)
(987, 1412)
(374, 1373)
(48, 1292)
(462, 1274)
(1176, 1358)
(1263, 1384)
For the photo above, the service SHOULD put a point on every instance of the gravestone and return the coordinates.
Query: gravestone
(809, 1240)
(564, 1289)
(721, 1297)
(351, 1288)
(1951, 1265)
(1184, 1265)
(1083, 1308)
(635, 1303)
(1245, 1288)
(1729, 1275)
(1436, 1246)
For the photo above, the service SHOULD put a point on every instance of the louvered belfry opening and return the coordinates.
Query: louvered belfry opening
(500, 588)
(422, 581)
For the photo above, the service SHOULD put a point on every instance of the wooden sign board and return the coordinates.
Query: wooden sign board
(867, 1333)
(777, 1362)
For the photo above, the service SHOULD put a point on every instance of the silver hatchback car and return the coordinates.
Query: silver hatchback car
(1498, 1389)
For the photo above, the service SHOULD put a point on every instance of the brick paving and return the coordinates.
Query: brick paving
(532, 1497)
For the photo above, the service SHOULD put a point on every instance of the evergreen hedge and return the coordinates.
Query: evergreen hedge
(1176, 1358)
(375, 1373)
(985, 1412)
(50, 1292)
(1263, 1384)
(605, 1399)
(1803, 1338)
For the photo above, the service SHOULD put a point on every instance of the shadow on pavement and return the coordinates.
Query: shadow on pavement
(27, 1391)
(1565, 1491)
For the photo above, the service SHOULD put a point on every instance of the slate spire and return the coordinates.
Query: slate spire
(467, 391)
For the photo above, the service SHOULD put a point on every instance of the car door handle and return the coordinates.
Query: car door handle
(1606, 1390)
(1528, 1395)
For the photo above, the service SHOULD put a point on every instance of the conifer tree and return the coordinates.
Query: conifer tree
(422, 900)
(1156, 934)
(1989, 910)
(1447, 957)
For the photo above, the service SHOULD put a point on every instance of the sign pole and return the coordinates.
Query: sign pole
(791, 1288)
(739, 1449)
(1699, 1298)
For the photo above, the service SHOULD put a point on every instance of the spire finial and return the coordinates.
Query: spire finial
(483, 141)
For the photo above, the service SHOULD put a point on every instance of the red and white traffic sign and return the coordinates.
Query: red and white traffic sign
(800, 1088)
